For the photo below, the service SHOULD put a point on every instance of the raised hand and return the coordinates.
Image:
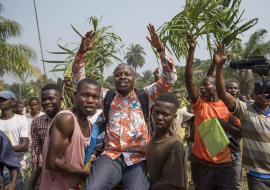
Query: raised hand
(156, 74)
(191, 41)
(88, 42)
(220, 56)
(154, 39)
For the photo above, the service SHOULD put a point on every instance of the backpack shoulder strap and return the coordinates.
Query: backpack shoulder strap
(143, 98)
(107, 101)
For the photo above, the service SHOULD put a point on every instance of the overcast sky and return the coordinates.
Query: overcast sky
(128, 19)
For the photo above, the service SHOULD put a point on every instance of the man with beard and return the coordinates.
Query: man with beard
(207, 172)
(255, 128)
(127, 113)
(67, 139)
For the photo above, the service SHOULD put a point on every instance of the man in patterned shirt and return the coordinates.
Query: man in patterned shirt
(51, 97)
(127, 132)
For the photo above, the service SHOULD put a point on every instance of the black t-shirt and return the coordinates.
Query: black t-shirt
(166, 162)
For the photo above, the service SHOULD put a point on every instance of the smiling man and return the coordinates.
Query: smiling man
(51, 102)
(68, 136)
(127, 114)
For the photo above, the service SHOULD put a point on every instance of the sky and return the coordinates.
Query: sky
(127, 18)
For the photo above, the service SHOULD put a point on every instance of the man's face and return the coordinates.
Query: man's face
(124, 79)
(19, 109)
(179, 97)
(87, 99)
(262, 100)
(34, 107)
(6, 103)
(51, 101)
(232, 88)
(163, 114)
(208, 88)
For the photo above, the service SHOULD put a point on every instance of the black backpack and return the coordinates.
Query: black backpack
(143, 99)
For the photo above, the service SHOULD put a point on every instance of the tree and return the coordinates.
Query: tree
(135, 56)
(145, 79)
(13, 58)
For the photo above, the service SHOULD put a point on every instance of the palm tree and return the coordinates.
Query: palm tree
(145, 79)
(135, 56)
(13, 58)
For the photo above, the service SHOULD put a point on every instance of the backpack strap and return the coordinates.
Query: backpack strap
(107, 101)
(143, 99)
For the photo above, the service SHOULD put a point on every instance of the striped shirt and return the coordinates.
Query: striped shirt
(256, 137)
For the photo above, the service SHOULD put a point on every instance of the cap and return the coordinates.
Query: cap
(7, 94)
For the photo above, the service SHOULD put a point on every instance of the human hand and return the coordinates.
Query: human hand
(156, 74)
(154, 39)
(88, 42)
(191, 41)
(10, 186)
(220, 56)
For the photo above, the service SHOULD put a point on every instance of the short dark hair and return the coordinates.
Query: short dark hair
(132, 70)
(19, 102)
(51, 86)
(230, 82)
(169, 97)
(87, 80)
(33, 99)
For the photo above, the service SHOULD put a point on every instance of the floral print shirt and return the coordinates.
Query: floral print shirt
(127, 132)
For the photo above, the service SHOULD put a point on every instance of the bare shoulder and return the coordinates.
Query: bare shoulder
(64, 123)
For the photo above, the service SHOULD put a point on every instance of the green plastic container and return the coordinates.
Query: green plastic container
(213, 136)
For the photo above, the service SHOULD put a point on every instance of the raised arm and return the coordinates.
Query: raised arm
(220, 58)
(60, 137)
(191, 88)
(78, 67)
(168, 75)
(212, 70)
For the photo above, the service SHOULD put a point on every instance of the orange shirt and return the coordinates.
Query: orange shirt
(204, 110)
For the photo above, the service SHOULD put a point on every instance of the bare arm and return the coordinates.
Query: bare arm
(13, 175)
(233, 130)
(23, 146)
(219, 59)
(211, 70)
(60, 137)
(191, 88)
(78, 67)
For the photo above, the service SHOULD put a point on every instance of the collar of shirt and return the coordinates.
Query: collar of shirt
(130, 95)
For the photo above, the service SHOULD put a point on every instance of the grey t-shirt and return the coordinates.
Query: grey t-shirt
(256, 137)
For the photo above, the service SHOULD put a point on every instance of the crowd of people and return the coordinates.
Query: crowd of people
(128, 138)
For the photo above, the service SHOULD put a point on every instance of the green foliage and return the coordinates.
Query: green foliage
(216, 21)
(145, 79)
(107, 45)
(104, 52)
(13, 58)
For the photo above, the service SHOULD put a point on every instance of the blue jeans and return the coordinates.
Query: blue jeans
(107, 173)
(257, 183)
(7, 179)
